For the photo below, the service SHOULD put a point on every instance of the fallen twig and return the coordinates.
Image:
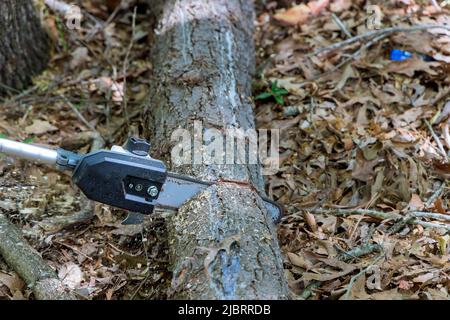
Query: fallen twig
(133, 296)
(353, 56)
(360, 251)
(125, 66)
(348, 212)
(369, 235)
(341, 25)
(437, 140)
(78, 114)
(357, 53)
(375, 33)
(97, 140)
(388, 216)
(432, 225)
(430, 215)
(435, 195)
(353, 279)
(400, 224)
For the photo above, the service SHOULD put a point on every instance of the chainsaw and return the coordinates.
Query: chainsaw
(126, 177)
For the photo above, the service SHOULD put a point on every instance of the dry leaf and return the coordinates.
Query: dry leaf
(294, 16)
(127, 230)
(407, 117)
(364, 170)
(330, 275)
(410, 66)
(392, 295)
(291, 84)
(310, 220)
(375, 17)
(424, 277)
(434, 294)
(299, 261)
(13, 282)
(340, 5)
(40, 127)
(318, 6)
(71, 275)
(79, 56)
(358, 290)
(299, 14)
(438, 206)
(415, 204)
(405, 285)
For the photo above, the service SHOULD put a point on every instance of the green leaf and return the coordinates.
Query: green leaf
(280, 91)
(28, 140)
(274, 86)
(279, 100)
(263, 95)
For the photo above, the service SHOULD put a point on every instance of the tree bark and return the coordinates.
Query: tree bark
(222, 243)
(24, 45)
(30, 266)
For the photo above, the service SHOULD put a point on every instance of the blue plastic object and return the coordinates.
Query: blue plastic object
(400, 55)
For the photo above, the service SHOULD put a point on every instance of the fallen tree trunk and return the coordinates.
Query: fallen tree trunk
(223, 244)
(30, 266)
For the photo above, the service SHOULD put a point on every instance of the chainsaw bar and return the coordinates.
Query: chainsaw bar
(178, 189)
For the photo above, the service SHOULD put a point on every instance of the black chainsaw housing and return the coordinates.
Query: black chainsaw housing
(120, 180)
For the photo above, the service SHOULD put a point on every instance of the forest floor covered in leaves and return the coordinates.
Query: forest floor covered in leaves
(364, 149)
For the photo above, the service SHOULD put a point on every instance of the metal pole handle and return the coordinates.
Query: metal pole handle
(28, 151)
